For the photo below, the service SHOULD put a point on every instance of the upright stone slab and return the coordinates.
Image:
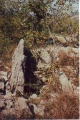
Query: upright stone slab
(65, 83)
(17, 77)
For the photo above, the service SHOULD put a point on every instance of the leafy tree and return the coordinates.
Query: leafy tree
(34, 19)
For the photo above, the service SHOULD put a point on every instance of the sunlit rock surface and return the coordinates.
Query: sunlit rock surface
(17, 77)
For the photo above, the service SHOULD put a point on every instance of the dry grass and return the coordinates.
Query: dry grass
(66, 60)
(73, 62)
(65, 107)
(72, 75)
(76, 81)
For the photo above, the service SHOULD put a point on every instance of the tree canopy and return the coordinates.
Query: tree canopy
(32, 20)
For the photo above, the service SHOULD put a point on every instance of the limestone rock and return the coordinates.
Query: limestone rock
(9, 112)
(43, 65)
(65, 83)
(1, 85)
(38, 110)
(45, 56)
(16, 106)
(34, 96)
(2, 103)
(12, 111)
(21, 103)
(3, 76)
(8, 89)
(8, 95)
(17, 77)
(9, 104)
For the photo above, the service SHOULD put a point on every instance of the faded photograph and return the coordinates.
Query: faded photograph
(39, 59)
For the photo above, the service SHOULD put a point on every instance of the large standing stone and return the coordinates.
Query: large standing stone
(17, 77)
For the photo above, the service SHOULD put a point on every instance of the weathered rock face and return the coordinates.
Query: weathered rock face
(15, 107)
(3, 75)
(2, 103)
(45, 56)
(66, 85)
(33, 96)
(17, 77)
(21, 103)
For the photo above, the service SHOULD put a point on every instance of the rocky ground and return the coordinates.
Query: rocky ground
(58, 68)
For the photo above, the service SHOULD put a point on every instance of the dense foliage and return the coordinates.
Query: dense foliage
(34, 21)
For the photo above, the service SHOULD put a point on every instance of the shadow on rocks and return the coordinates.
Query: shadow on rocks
(32, 83)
